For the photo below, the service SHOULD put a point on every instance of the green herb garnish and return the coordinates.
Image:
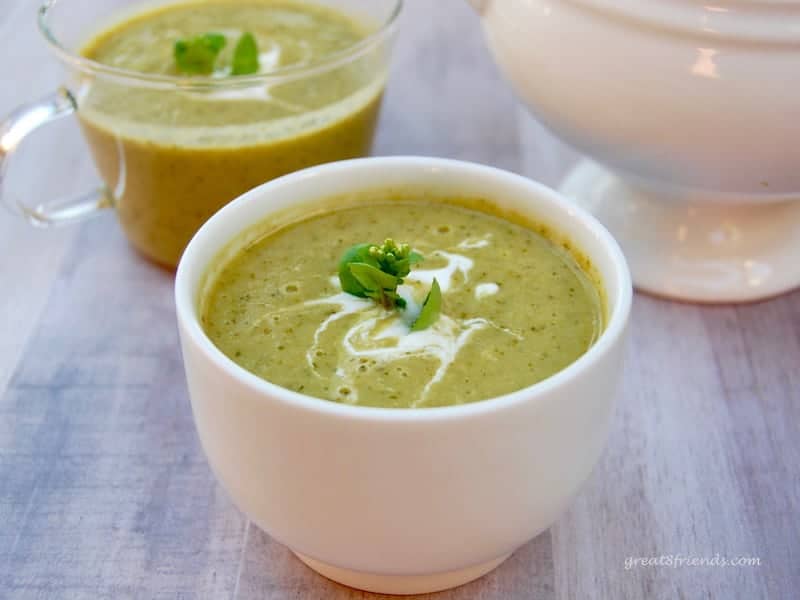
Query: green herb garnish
(358, 254)
(245, 56)
(197, 55)
(431, 308)
(370, 271)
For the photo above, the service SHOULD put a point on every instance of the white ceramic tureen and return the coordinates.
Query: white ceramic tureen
(691, 110)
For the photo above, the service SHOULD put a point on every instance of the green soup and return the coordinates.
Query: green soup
(175, 157)
(517, 307)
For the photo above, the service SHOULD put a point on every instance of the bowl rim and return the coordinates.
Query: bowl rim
(193, 333)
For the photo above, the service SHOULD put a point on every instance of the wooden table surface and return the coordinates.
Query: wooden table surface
(104, 490)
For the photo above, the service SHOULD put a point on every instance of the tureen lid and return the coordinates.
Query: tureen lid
(763, 21)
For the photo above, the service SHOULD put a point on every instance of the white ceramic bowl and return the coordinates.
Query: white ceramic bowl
(693, 109)
(403, 500)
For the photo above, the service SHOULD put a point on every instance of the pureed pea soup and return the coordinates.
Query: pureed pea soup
(174, 157)
(514, 307)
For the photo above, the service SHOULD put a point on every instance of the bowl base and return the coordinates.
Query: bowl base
(694, 250)
(401, 584)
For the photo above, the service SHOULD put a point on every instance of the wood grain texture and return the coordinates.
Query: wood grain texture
(105, 493)
(27, 74)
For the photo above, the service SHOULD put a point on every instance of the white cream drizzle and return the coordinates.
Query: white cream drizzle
(456, 263)
(482, 290)
(271, 58)
(443, 341)
(475, 243)
(348, 305)
(384, 336)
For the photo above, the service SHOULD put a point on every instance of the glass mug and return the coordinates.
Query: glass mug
(173, 150)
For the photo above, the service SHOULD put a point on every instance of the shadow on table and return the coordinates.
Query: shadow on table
(271, 571)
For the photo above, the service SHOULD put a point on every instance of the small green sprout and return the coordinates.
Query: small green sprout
(245, 56)
(199, 55)
(431, 308)
(375, 272)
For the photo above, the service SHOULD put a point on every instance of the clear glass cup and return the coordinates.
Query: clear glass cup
(192, 144)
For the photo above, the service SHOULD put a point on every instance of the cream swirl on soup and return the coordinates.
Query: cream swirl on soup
(516, 308)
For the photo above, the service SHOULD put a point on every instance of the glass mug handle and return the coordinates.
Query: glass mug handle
(13, 130)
